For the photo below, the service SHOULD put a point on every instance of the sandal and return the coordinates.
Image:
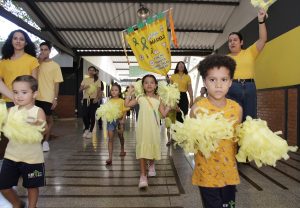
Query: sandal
(169, 143)
(108, 162)
(122, 154)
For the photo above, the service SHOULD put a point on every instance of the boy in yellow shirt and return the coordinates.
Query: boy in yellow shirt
(217, 176)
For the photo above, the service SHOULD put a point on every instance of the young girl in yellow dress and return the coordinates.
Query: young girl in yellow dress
(217, 176)
(148, 142)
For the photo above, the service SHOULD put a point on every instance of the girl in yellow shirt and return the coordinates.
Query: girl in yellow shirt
(116, 94)
(217, 175)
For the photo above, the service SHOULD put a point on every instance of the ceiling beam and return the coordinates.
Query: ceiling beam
(220, 2)
(21, 23)
(121, 29)
(120, 52)
(37, 11)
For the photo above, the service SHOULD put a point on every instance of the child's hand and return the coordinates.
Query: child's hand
(34, 121)
(177, 109)
(130, 90)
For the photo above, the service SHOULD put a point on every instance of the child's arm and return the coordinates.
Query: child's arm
(41, 117)
(192, 113)
(129, 101)
(240, 114)
(164, 110)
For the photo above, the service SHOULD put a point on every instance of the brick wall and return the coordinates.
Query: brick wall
(65, 107)
(279, 108)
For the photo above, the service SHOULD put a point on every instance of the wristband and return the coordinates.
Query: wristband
(262, 22)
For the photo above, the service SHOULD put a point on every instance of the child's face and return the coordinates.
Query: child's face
(149, 85)
(115, 91)
(23, 94)
(217, 82)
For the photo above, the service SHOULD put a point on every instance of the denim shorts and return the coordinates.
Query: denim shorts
(111, 126)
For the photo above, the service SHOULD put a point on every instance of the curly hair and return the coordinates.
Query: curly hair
(153, 77)
(218, 61)
(177, 70)
(8, 49)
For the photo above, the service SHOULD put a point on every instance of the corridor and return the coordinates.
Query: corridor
(77, 176)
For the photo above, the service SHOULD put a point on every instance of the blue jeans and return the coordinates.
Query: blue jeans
(245, 95)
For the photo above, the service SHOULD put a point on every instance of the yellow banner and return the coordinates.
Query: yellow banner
(151, 47)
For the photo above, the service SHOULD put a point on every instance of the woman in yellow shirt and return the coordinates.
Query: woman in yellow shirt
(183, 80)
(18, 58)
(243, 89)
(91, 94)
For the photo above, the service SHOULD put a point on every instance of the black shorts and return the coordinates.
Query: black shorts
(46, 106)
(33, 174)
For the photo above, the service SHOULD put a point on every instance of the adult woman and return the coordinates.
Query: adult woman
(18, 58)
(243, 89)
(91, 87)
(183, 80)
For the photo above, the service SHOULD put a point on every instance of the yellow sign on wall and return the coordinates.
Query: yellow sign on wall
(151, 47)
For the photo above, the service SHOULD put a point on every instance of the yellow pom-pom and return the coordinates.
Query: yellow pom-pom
(264, 4)
(3, 113)
(202, 133)
(19, 130)
(91, 89)
(169, 93)
(110, 111)
(138, 89)
(259, 144)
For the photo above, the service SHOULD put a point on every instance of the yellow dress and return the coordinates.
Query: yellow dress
(148, 129)
(220, 169)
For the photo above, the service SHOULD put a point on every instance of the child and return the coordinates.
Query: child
(26, 160)
(217, 176)
(203, 94)
(116, 125)
(148, 126)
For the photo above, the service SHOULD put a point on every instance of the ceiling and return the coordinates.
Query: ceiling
(93, 27)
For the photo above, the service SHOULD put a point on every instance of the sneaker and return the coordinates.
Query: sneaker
(46, 147)
(85, 133)
(89, 135)
(151, 170)
(143, 182)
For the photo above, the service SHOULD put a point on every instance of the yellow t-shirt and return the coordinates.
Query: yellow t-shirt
(10, 69)
(121, 103)
(96, 85)
(220, 169)
(245, 63)
(28, 153)
(49, 73)
(182, 81)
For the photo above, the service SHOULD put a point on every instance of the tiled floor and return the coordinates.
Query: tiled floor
(77, 176)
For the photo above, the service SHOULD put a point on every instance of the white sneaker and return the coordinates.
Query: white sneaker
(89, 135)
(46, 147)
(151, 170)
(143, 182)
(85, 133)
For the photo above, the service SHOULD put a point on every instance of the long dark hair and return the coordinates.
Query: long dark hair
(177, 70)
(8, 49)
(155, 80)
(95, 75)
